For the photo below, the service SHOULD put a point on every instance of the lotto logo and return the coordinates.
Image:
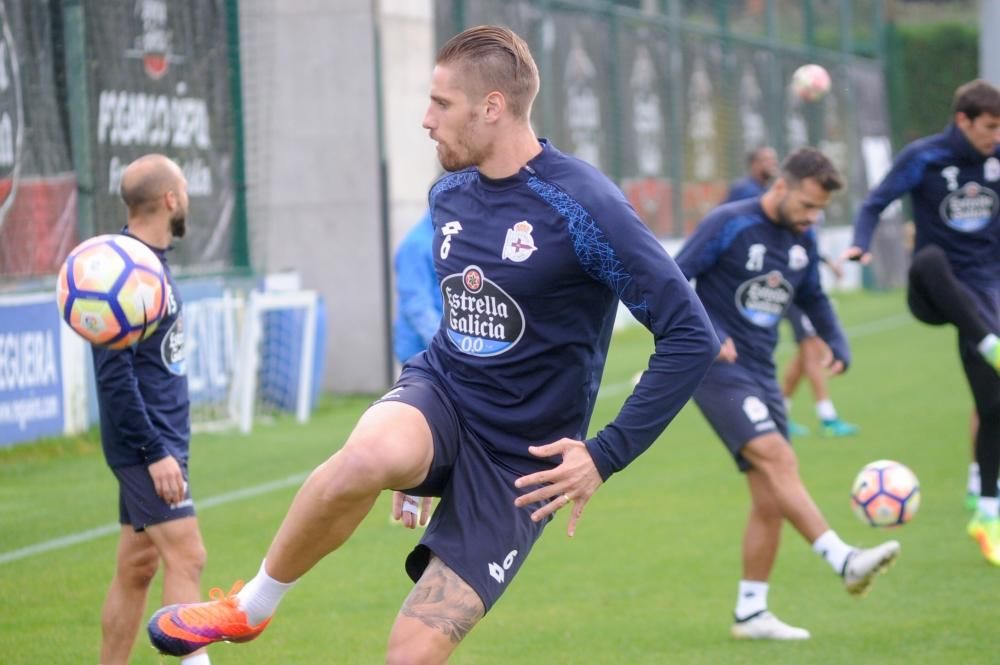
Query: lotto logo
(498, 571)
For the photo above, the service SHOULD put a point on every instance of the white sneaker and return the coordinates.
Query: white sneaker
(766, 626)
(862, 566)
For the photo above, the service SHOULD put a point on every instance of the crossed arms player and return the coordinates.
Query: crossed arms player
(533, 249)
(953, 179)
(751, 260)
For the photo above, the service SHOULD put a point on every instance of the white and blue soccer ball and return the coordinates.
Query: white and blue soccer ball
(885, 494)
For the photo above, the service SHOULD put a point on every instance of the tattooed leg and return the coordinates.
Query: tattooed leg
(440, 611)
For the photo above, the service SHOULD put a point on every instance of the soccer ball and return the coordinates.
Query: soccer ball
(885, 493)
(112, 290)
(810, 82)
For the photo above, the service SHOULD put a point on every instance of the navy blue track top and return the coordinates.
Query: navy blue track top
(531, 268)
(142, 391)
(748, 269)
(954, 189)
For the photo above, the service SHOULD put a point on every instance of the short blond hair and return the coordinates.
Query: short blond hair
(490, 58)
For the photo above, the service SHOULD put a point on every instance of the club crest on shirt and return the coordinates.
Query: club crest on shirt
(969, 208)
(797, 257)
(991, 169)
(519, 245)
(762, 300)
(481, 319)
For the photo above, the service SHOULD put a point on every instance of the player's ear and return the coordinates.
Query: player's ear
(170, 199)
(495, 105)
(962, 121)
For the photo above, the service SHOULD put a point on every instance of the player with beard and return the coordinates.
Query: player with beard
(953, 179)
(142, 394)
(533, 250)
(750, 260)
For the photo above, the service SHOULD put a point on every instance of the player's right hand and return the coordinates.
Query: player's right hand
(855, 253)
(405, 509)
(168, 479)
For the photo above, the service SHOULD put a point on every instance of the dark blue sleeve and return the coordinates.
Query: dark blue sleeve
(123, 404)
(906, 173)
(650, 284)
(814, 302)
(416, 282)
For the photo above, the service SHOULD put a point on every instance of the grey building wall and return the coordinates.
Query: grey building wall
(312, 158)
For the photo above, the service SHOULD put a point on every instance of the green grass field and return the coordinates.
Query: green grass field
(649, 578)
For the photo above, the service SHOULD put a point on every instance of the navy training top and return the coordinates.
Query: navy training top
(748, 270)
(142, 390)
(954, 190)
(744, 188)
(531, 268)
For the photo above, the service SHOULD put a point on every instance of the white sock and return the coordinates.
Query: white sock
(973, 483)
(825, 410)
(989, 507)
(261, 595)
(788, 405)
(833, 549)
(200, 659)
(752, 598)
(987, 343)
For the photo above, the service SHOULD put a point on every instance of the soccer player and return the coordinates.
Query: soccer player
(811, 355)
(811, 360)
(533, 250)
(953, 179)
(762, 167)
(142, 393)
(750, 260)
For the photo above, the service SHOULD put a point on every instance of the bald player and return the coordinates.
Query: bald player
(145, 430)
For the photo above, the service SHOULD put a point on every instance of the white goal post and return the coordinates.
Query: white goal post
(243, 396)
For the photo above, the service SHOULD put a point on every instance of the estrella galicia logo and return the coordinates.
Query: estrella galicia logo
(481, 319)
(172, 348)
(969, 208)
(763, 299)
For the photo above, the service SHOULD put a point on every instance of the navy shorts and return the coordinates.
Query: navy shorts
(138, 502)
(740, 406)
(802, 327)
(476, 529)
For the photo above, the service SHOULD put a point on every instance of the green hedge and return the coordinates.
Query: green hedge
(926, 62)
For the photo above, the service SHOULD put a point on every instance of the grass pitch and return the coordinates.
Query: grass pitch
(650, 577)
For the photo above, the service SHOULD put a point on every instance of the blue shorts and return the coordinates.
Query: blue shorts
(802, 327)
(476, 529)
(740, 406)
(138, 502)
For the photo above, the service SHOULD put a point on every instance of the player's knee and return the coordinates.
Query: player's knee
(774, 458)
(928, 262)
(188, 560)
(140, 569)
(412, 652)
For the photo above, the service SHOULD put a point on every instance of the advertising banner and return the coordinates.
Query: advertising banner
(37, 183)
(160, 82)
(31, 382)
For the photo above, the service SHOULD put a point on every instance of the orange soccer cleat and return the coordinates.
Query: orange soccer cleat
(177, 630)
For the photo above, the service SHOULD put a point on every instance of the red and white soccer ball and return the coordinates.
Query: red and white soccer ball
(112, 291)
(810, 82)
(885, 493)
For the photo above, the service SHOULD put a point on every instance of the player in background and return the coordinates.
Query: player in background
(750, 260)
(533, 249)
(142, 394)
(953, 179)
(418, 317)
(811, 356)
(811, 361)
(762, 168)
